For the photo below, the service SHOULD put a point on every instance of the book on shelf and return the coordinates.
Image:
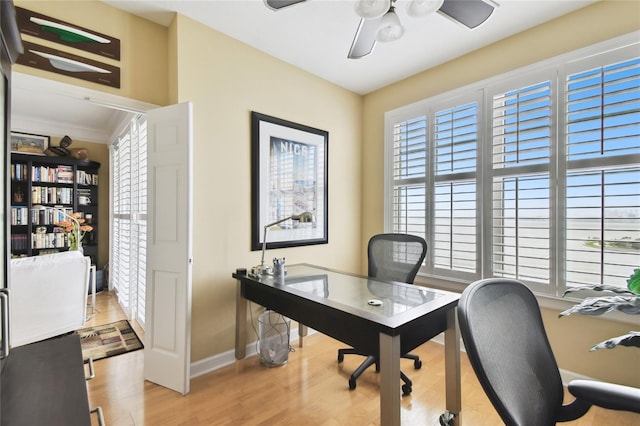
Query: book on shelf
(19, 172)
(19, 242)
(86, 178)
(49, 216)
(52, 174)
(51, 195)
(65, 174)
(49, 240)
(19, 215)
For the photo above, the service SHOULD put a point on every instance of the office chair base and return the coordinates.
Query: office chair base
(407, 387)
(368, 362)
(352, 384)
(417, 364)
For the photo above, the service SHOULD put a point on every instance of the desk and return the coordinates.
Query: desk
(335, 304)
(43, 383)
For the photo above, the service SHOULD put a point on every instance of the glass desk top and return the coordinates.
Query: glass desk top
(356, 293)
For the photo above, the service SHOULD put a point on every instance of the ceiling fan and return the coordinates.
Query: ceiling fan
(379, 21)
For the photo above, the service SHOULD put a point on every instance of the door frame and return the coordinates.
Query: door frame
(80, 97)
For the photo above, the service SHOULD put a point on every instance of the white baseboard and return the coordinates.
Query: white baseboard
(216, 362)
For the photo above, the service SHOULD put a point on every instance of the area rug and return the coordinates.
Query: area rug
(107, 340)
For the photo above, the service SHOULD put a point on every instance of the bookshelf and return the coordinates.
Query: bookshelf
(63, 183)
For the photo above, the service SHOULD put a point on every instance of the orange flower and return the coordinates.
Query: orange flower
(67, 225)
(70, 227)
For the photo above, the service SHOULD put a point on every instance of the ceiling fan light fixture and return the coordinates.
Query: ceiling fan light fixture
(371, 9)
(390, 28)
(420, 8)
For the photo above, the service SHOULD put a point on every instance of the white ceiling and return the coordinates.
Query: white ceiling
(314, 35)
(47, 107)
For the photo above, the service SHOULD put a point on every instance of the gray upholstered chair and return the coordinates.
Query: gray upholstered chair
(507, 346)
(391, 257)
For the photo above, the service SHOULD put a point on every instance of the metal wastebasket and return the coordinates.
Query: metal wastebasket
(273, 338)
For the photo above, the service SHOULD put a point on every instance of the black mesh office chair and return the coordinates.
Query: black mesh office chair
(507, 345)
(391, 257)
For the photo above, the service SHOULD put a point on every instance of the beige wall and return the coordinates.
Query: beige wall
(225, 82)
(570, 337)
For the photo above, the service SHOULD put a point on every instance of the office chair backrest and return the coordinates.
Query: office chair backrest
(396, 257)
(507, 346)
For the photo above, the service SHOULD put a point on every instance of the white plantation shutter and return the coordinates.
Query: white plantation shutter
(141, 222)
(129, 215)
(119, 266)
(521, 195)
(602, 127)
(454, 243)
(439, 183)
(409, 171)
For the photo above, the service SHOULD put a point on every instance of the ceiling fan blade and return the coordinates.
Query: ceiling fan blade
(280, 4)
(365, 39)
(469, 13)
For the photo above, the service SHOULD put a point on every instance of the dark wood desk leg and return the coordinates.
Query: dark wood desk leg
(452, 369)
(302, 331)
(241, 323)
(389, 380)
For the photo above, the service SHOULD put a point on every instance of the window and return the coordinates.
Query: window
(129, 218)
(533, 175)
(521, 174)
(602, 203)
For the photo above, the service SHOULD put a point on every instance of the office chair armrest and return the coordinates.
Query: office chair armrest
(606, 395)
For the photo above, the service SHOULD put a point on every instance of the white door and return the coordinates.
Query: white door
(169, 247)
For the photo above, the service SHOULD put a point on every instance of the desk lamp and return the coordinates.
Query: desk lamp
(66, 215)
(262, 269)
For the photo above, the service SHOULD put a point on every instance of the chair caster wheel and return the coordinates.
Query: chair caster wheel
(406, 390)
(352, 384)
(340, 357)
(417, 364)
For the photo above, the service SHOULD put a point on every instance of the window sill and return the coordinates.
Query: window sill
(545, 301)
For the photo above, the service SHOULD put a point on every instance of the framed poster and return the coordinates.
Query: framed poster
(25, 143)
(289, 167)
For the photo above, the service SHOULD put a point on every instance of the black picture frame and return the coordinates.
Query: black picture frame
(289, 176)
(26, 143)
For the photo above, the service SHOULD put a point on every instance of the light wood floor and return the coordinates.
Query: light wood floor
(310, 390)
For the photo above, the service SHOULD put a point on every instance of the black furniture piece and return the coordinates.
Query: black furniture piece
(507, 345)
(44, 383)
(393, 257)
(57, 182)
(336, 305)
